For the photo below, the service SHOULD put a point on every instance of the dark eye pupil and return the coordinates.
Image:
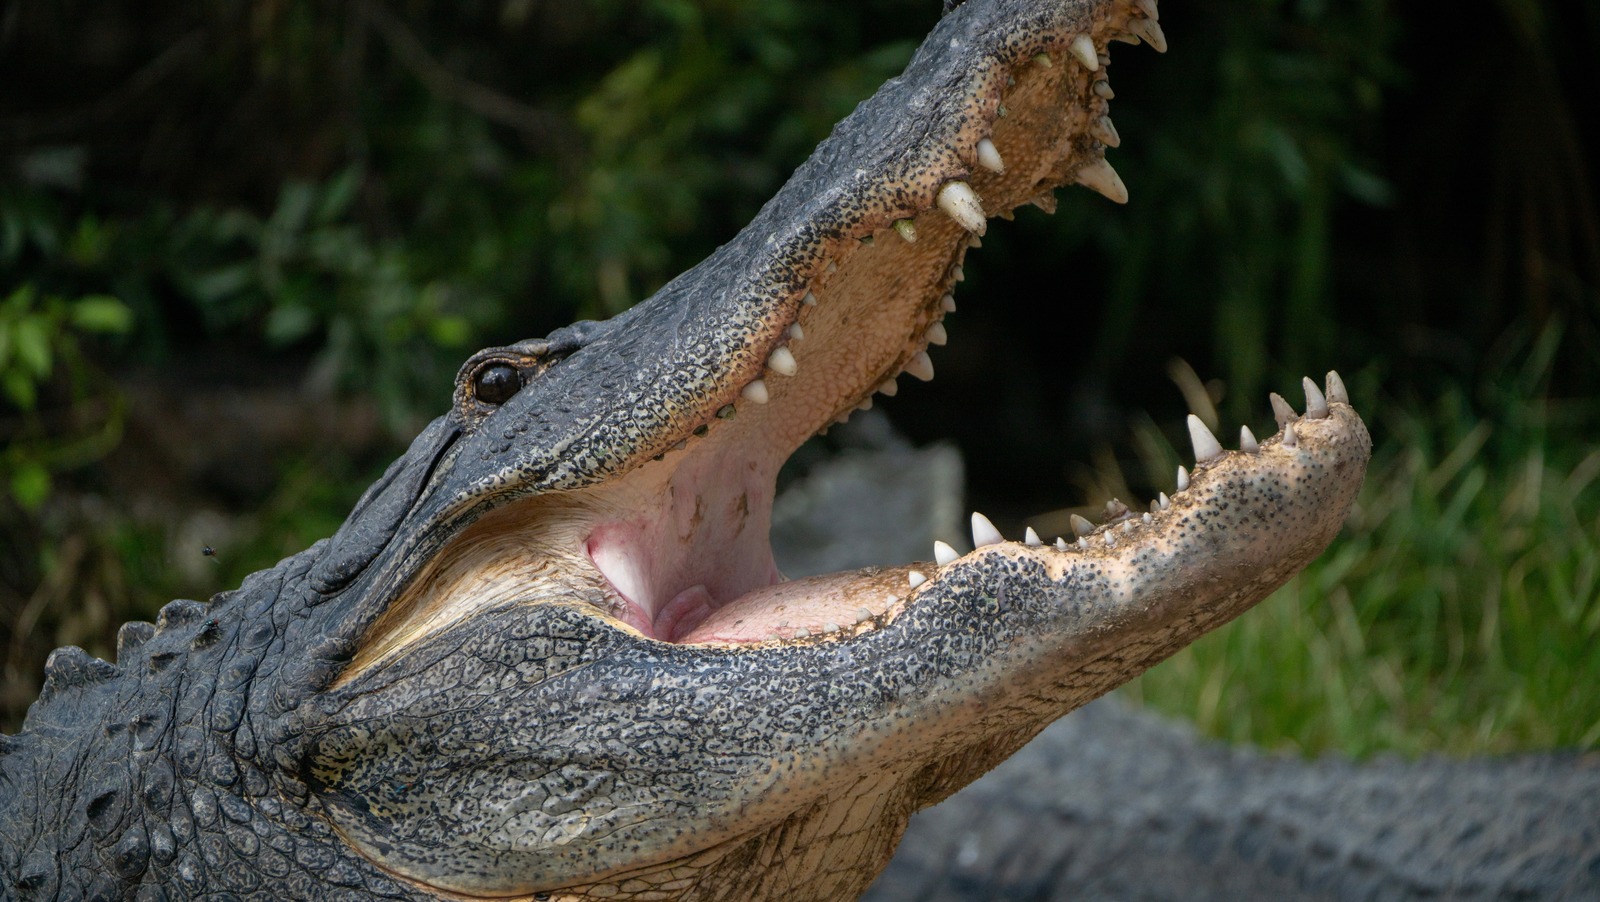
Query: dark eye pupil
(496, 384)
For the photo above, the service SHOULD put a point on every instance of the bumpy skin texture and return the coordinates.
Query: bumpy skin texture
(1115, 804)
(449, 696)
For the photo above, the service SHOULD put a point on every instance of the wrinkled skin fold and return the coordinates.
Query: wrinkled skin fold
(549, 655)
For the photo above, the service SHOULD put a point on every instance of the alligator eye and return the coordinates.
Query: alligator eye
(496, 384)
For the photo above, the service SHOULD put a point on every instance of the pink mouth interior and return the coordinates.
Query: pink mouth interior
(696, 545)
(695, 563)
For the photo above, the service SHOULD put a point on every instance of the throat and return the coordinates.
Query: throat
(683, 541)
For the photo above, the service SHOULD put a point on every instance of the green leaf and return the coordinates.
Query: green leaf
(101, 313)
(33, 345)
(30, 485)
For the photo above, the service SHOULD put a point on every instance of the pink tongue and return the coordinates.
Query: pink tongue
(812, 604)
(687, 610)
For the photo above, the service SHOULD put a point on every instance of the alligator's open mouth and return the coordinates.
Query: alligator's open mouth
(847, 301)
(816, 313)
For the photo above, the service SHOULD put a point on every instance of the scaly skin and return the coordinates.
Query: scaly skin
(549, 656)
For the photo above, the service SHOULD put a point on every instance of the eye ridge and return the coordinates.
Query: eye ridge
(496, 383)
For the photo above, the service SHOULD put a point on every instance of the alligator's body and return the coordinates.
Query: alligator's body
(549, 655)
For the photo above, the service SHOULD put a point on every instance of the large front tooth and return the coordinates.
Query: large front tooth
(921, 366)
(1316, 404)
(1101, 178)
(943, 554)
(1083, 51)
(1336, 391)
(1151, 32)
(989, 156)
(782, 362)
(1247, 441)
(1206, 446)
(937, 335)
(983, 531)
(756, 391)
(959, 202)
(1282, 410)
(1029, 537)
(1106, 132)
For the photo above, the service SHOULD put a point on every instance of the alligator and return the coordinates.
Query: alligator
(548, 654)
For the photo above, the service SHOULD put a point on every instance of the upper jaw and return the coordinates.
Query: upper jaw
(837, 288)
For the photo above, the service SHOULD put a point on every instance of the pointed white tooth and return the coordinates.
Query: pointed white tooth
(802, 633)
(958, 273)
(1044, 60)
(959, 202)
(921, 366)
(796, 333)
(865, 405)
(1282, 410)
(865, 614)
(757, 392)
(1098, 176)
(1206, 446)
(830, 627)
(1290, 440)
(1164, 501)
(1316, 404)
(937, 335)
(906, 228)
(983, 532)
(888, 387)
(810, 300)
(989, 156)
(943, 554)
(916, 578)
(1083, 51)
(1080, 525)
(1045, 201)
(1247, 441)
(1148, 7)
(1147, 518)
(1336, 391)
(1128, 525)
(1083, 542)
(1106, 132)
(833, 266)
(1061, 544)
(1151, 32)
(948, 303)
(1183, 478)
(1029, 537)
(1111, 538)
(974, 241)
(782, 362)
(1102, 90)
